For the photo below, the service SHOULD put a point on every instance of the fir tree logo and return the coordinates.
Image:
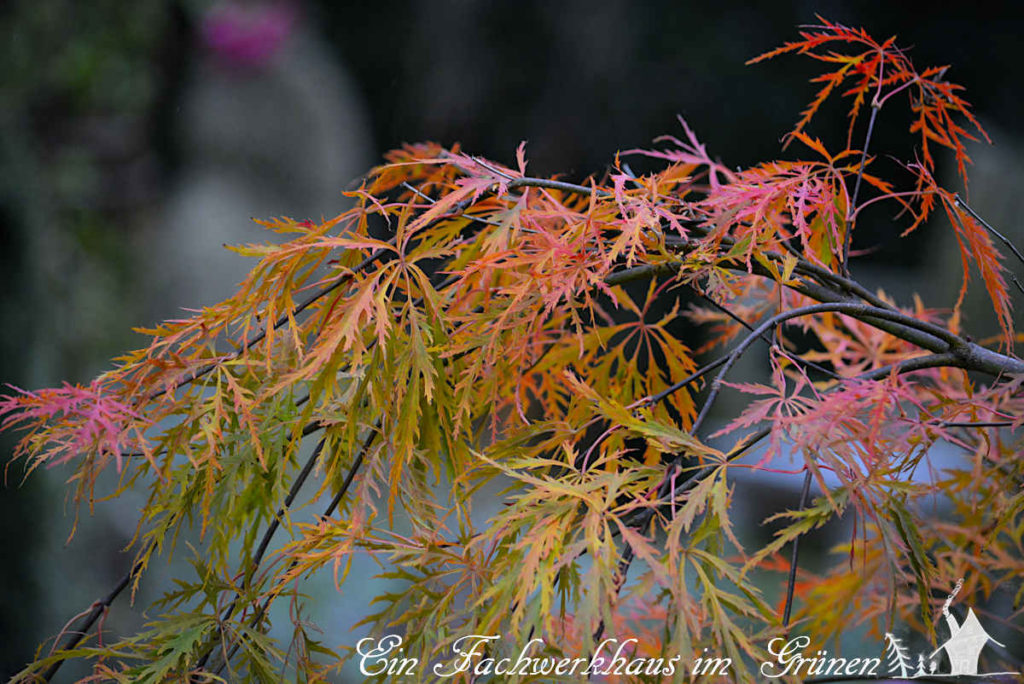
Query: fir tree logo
(896, 654)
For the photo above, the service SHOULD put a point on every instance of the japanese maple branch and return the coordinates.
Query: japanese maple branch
(284, 318)
(272, 528)
(528, 182)
(949, 358)
(765, 338)
(254, 564)
(925, 335)
(719, 362)
(346, 484)
(803, 266)
(643, 520)
(281, 321)
(954, 356)
(794, 560)
(951, 349)
(300, 480)
(823, 276)
(856, 310)
(100, 605)
(943, 360)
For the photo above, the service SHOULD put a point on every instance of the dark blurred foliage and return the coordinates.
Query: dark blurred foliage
(83, 148)
(88, 94)
(18, 513)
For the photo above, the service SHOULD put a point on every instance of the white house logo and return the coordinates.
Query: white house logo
(957, 656)
(962, 649)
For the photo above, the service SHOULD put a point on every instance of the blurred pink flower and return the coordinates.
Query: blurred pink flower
(247, 35)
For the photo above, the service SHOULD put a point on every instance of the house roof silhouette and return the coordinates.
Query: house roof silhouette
(965, 643)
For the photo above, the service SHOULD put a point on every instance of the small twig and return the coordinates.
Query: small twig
(791, 581)
(556, 185)
(66, 629)
(99, 607)
(1002, 238)
(767, 340)
(876, 104)
(1006, 241)
(978, 424)
(676, 386)
(492, 168)
(848, 238)
(416, 191)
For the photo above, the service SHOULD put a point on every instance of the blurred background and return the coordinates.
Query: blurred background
(138, 137)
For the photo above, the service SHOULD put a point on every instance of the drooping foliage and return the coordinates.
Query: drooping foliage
(482, 371)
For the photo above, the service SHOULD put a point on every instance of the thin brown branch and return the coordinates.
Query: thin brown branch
(527, 182)
(1002, 238)
(791, 580)
(856, 310)
(257, 558)
(848, 238)
(296, 486)
(696, 375)
(262, 610)
(977, 358)
(99, 607)
(767, 340)
(814, 290)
